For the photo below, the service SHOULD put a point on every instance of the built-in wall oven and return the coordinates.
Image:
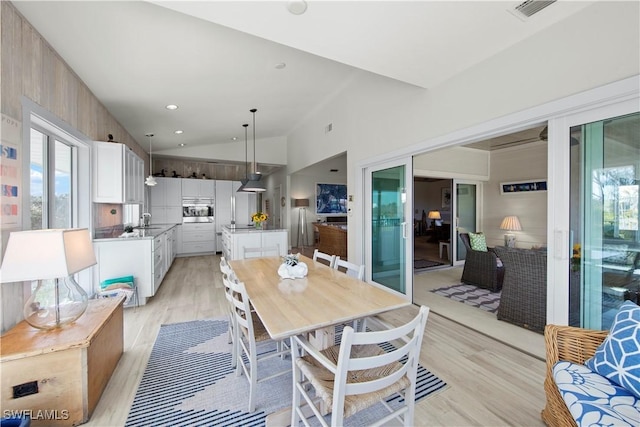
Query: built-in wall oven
(197, 210)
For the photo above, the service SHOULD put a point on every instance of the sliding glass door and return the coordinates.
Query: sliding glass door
(465, 207)
(390, 227)
(604, 238)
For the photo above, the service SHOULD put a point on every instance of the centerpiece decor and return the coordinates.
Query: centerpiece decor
(292, 267)
(258, 218)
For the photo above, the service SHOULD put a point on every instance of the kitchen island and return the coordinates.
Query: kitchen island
(235, 238)
(146, 254)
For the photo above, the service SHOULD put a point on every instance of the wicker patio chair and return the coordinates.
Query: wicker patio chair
(481, 268)
(523, 301)
(569, 344)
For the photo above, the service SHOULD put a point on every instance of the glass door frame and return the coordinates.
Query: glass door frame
(558, 209)
(454, 207)
(368, 171)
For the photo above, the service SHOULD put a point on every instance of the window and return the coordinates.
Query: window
(52, 193)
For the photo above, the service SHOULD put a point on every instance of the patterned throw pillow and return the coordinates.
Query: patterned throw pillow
(618, 357)
(478, 242)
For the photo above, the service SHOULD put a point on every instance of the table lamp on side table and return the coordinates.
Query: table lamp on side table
(51, 257)
(510, 223)
(434, 216)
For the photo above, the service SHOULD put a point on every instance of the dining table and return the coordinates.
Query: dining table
(323, 298)
(311, 305)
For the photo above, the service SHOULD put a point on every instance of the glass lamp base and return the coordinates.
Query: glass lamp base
(55, 303)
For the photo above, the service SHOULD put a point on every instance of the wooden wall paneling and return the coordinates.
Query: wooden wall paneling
(31, 64)
(11, 33)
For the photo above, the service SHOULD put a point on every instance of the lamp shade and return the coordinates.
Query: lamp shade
(47, 254)
(301, 203)
(511, 223)
(434, 215)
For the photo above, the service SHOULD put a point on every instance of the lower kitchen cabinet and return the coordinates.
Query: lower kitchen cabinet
(235, 240)
(198, 237)
(146, 259)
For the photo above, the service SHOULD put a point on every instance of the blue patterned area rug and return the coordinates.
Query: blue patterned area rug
(189, 381)
(471, 295)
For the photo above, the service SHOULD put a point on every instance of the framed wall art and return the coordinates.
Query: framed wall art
(516, 187)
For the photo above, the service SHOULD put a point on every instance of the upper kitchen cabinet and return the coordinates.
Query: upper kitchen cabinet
(201, 188)
(168, 192)
(118, 174)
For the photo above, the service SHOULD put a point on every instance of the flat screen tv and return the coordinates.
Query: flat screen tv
(331, 199)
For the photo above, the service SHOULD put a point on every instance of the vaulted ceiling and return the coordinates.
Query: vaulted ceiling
(218, 59)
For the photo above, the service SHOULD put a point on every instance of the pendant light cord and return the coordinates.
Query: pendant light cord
(246, 159)
(254, 166)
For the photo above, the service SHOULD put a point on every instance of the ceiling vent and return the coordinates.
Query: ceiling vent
(530, 7)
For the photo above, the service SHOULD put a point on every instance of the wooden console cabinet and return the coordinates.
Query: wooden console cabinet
(333, 240)
(62, 371)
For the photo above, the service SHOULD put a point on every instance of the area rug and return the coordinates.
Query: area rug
(419, 264)
(189, 381)
(471, 295)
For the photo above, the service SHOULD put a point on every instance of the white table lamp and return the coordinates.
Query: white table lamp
(510, 223)
(434, 216)
(51, 257)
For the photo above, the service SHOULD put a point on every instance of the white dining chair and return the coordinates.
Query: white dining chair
(330, 259)
(358, 373)
(351, 269)
(256, 252)
(227, 278)
(251, 333)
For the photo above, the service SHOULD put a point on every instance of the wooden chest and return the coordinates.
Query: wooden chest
(57, 376)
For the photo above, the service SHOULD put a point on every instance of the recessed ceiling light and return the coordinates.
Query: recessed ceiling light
(297, 7)
(171, 107)
(280, 66)
(235, 138)
(178, 132)
(182, 144)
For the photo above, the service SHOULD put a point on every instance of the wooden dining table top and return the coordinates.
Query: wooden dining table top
(323, 298)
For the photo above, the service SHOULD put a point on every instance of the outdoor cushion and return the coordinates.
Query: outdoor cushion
(592, 399)
(478, 242)
(617, 254)
(618, 357)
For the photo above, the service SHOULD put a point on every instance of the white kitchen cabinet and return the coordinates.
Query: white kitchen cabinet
(198, 237)
(235, 240)
(118, 174)
(200, 188)
(146, 259)
(168, 192)
(166, 201)
(223, 205)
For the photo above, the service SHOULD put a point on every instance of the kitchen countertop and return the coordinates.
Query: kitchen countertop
(115, 232)
(250, 229)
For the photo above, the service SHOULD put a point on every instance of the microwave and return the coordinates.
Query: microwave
(197, 210)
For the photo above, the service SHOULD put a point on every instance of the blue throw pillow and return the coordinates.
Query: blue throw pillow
(618, 357)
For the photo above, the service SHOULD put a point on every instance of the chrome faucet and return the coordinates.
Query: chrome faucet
(146, 217)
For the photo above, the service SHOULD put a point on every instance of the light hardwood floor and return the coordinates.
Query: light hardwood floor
(489, 383)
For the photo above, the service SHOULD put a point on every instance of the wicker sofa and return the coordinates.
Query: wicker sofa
(523, 301)
(481, 269)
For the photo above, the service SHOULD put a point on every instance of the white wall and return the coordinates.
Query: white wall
(516, 164)
(376, 116)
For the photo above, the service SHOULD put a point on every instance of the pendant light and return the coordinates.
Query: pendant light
(254, 185)
(244, 181)
(151, 180)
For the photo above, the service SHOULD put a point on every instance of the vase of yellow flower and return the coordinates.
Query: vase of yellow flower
(258, 218)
